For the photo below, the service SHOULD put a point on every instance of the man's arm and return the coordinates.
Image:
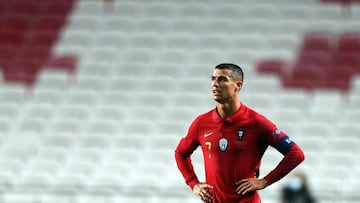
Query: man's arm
(292, 158)
(182, 156)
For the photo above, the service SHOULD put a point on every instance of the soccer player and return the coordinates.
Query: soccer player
(233, 138)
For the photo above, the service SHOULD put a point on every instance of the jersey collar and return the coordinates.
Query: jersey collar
(216, 117)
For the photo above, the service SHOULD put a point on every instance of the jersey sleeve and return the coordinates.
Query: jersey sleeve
(292, 153)
(183, 151)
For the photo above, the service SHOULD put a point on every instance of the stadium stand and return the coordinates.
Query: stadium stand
(96, 94)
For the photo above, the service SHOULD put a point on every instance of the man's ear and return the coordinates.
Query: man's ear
(239, 85)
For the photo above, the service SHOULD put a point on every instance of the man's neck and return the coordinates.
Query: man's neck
(227, 109)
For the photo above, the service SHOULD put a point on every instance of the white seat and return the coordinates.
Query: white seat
(47, 96)
(289, 26)
(187, 25)
(81, 98)
(327, 100)
(32, 125)
(288, 116)
(116, 99)
(95, 69)
(89, 83)
(58, 154)
(40, 172)
(121, 24)
(95, 140)
(66, 126)
(72, 112)
(158, 84)
(350, 116)
(9, 110)
(135, 67)
(355, 85)
(13, 94)
(297, 11)
(258, 101)
(172, 127)
(169, 69)
(193, 10)
(150, 99)
(58, 140)
(180, 114)
(153, 24)
(19, 198)
(175, 55)
(262, 11)
(53, 80)
(86, 7)
(179, 40)
(137, 127)
(90, 155)
(353, 101)
(291, 99)
(147, 40)
(6, 125)
(10, 170)
(74, 40)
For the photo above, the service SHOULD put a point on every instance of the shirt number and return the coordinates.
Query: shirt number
(208, 144)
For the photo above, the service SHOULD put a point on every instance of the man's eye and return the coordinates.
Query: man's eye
(222, 79)
(219, 79)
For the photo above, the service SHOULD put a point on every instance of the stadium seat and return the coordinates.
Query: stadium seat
(322, 42)
(271, 66)
(99, 109)
(349, 42)
(303, 76)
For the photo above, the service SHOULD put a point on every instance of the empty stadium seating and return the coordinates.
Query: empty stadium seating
(115, 84)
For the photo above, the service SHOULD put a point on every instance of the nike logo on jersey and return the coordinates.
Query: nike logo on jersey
(208, 134)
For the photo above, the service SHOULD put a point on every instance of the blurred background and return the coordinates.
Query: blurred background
(95, 95)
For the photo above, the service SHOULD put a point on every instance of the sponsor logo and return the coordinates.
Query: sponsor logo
(223, 144)
(208, 134)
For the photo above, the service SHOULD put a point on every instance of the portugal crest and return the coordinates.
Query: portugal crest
(240, 133)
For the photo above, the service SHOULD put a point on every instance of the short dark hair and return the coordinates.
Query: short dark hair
(236, 72)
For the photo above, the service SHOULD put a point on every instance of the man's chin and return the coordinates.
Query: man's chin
(218, 99)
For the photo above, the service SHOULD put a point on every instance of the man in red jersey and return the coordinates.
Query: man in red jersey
(233, 138)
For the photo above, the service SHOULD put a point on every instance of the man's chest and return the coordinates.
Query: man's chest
(226, 138)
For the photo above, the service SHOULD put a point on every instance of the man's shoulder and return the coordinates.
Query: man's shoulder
(253, 114)
(206, 115)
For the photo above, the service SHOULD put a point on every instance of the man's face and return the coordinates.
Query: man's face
(223, 86)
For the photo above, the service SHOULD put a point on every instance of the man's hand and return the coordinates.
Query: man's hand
(249, 185)
(202, 190)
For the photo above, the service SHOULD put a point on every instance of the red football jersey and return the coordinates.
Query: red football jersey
(232, 151)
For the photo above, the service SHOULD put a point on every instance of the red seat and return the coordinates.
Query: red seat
(338, 78)
(320, 59)
(59, 8)
(347, 59)
(21, 71)
(7, 53)
(25, 9)
(67, 63)
(344, 2)
(272, 66)
(48, 23)
(37, 38)
(349, 42)
(318, 41)
(28, 32)
(303, 76)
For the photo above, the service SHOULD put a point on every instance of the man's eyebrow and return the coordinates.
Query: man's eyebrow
(220, 76)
